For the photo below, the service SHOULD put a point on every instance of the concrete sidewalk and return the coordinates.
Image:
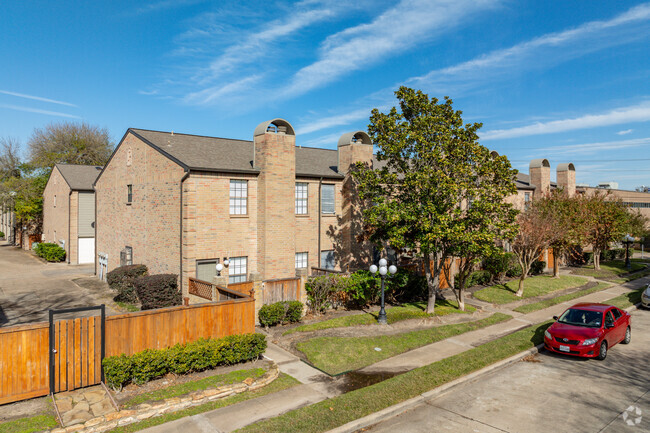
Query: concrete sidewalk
(317, 386)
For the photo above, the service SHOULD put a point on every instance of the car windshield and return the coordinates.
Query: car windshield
(574, 316)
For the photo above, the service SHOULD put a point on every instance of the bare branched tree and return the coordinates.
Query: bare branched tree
(9, 158)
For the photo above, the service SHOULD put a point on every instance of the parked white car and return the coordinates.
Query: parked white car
(645, 297)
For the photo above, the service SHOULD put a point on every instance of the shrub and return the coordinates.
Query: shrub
(478, 277)
(587, 258)
(499, 264)
(50, 252)
(158, 291)
(321, 289)
(537, 267)
(363, 288)
(614, 254)
(2, 234)
(280, 313)
(121, 280)
(514, 270)
(406, 286)
(199, 355)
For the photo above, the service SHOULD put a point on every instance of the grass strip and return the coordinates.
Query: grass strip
(412, 310)
(127, 306)
(335, 355)
(29, 424)
(197, 385)
(632, 277)
(627, 299)
(529, 308)
(283, 381)
(609, 269)
(534, 286)
(340, 410)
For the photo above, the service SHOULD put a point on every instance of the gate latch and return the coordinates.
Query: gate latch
(53, 350)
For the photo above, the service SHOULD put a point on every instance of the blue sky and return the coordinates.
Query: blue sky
(568, 81)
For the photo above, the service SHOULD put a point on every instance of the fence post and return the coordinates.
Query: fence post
(103, 331)
(51, 351)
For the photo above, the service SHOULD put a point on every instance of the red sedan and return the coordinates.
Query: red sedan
(588, 330)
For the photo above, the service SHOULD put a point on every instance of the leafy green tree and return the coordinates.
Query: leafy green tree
(27, 196)
(604, 219)
(71, 143)
(430, 162)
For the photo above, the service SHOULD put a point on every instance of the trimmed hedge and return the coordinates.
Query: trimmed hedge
(50, 252)
(158, 291)
(280, 313)
(121, 280)
(478, 277)
(186, 358)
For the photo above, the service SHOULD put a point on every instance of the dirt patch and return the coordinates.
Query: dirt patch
(531, 358)
(130, 391)
(26, 408)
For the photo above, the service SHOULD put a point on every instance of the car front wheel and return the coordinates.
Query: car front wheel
(628, 336)
(602, 353)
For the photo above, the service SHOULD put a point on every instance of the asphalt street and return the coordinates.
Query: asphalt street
(550, 393)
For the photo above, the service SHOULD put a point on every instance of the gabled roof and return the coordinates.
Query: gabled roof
(79, 177)
(197, 152)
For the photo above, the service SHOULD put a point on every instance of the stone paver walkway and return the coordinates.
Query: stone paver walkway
(77, 407)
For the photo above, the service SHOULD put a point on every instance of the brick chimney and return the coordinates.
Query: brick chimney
(275, 157)
(354, 147)
(540, 176)
(566, 178)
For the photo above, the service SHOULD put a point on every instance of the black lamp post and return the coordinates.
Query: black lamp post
(628, 240)
(382, 319)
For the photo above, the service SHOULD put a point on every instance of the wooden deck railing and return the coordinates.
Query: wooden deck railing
(322, 271)
(213, 292)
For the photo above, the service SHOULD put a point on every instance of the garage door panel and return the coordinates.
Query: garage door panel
(86, 250)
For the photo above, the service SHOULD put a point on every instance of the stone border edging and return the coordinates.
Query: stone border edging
(398, 408)
(145, 411)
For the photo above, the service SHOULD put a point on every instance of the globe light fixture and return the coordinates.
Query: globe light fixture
(219, 269)
(383, 271)
(628, 240)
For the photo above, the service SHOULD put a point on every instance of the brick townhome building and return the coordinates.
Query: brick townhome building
(69, 211)
(182, 203)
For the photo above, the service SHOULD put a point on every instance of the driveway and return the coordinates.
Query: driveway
(29, 287)
(552, 393)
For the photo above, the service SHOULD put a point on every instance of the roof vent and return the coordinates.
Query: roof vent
(282, 129)
(271, 128)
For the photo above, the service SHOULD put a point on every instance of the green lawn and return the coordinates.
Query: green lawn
(29, 424)
(282, 382)
(414, 310)
(533, 286)
(335, 355)
(609, 269)
(340, 410)
(529, 308)
(631, 277)
(197, 385)
(627, 299)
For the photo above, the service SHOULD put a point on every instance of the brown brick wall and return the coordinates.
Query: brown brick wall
(57, 219)
(74, 228)
(151, 224)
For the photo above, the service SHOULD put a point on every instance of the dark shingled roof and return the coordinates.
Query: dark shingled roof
(228, 155)
(79, 177)
(523, 182)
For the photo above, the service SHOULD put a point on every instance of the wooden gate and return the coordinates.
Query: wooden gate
(287, 289)
(77, 348)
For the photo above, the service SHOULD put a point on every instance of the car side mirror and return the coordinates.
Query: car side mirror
(555, 317)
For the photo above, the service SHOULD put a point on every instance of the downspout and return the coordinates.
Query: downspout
(96, 259)
(185, 176)
(70, 226)
(320, 215)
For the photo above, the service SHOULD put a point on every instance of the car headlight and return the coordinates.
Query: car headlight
(548, 335)
(589, 341)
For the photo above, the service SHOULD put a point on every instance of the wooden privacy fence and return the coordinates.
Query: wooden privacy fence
(286, 289)
(24, 350)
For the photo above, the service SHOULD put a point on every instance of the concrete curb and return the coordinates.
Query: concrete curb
(391, 411)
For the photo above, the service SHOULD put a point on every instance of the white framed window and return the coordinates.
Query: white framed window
(327, 259)
(237, 269)
(302, 194)
(301, 260)
(238, 197)
(129, 194)
(526, 200)
(327, 199)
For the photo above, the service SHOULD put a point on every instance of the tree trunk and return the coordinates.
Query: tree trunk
(520, 290)
(432, 283)
(461, 300)
(556, 268)
(596, 259)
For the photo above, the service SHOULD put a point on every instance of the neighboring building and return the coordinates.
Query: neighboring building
(635, 200)
(69, 211)
(181, 203)
(7, 223)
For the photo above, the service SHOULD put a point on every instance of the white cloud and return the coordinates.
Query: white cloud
(400, 28)
(328, 122)
(588, 148)
(330, 140)
(551, 48)
(625, 132)
(35, 110)
(211, 94)
(634, 113)
(36, 98)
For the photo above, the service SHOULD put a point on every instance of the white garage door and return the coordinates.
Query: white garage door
(86, 250)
